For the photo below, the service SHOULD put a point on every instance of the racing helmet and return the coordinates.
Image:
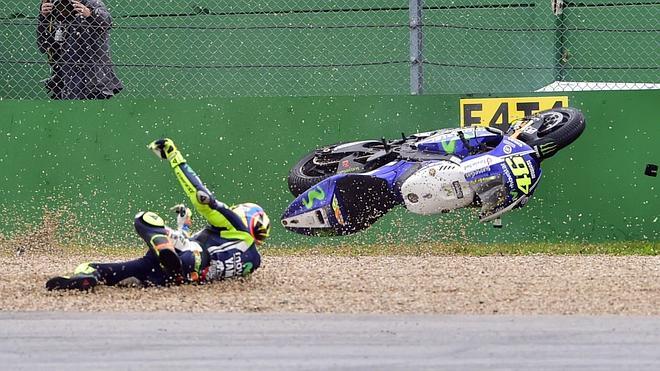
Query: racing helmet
(255, 219)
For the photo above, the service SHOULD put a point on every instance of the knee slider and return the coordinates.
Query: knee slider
(149, 218)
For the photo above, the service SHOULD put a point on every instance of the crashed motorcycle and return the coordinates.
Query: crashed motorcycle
(344, 188)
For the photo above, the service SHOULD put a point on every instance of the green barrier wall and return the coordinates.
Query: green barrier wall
(89, 161)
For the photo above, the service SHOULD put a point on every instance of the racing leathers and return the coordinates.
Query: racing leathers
(227, 247)
(223, 248)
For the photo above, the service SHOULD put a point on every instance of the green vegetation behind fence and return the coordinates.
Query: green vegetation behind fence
(353, 47)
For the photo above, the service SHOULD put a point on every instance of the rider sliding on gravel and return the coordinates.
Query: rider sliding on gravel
(225, 247)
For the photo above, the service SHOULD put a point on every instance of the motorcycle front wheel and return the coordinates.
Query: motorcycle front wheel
(553, 130)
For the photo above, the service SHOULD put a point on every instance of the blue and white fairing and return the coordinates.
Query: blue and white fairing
(498, 179)
(503, 178)
(345, 203)
(453, 141)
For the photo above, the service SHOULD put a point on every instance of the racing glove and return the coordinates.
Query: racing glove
(166, 150)
(183, 218)
(181, 236)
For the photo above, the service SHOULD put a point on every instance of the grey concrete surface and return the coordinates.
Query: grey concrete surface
(164, 341)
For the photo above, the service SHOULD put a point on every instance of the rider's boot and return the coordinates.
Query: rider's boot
(84, 278)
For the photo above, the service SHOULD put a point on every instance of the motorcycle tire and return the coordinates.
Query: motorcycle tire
(553, 130)
(298, 180)
(322, 163)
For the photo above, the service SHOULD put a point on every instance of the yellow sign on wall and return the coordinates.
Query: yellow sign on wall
(499, 112)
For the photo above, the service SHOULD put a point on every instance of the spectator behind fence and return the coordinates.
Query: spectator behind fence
(75, 36)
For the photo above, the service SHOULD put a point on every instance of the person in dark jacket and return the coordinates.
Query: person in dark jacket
(75, 36)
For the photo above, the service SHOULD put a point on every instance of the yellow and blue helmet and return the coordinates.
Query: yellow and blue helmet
(255, 219)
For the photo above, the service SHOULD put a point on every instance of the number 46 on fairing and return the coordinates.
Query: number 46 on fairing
(520, 170)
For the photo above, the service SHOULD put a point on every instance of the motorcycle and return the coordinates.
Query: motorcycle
(344, 188)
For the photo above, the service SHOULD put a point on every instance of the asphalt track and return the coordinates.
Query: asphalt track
(164, 341)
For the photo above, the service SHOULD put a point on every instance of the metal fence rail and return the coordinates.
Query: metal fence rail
(350, 47)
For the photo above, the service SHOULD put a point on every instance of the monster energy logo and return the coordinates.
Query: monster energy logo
(546, 148)
(315, 194)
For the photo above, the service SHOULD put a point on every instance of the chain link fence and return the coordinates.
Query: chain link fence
(312, 47)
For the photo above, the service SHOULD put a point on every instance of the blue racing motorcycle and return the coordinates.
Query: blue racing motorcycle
(344, 188)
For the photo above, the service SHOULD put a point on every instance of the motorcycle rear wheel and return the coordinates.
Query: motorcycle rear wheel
(324, 163)
(304, 174)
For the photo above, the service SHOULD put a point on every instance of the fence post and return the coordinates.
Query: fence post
(561, 54)
(416, 49)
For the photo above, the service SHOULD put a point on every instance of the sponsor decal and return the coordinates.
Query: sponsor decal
(521, 171)
(478, 163)
(337, 210)
(478, 166)
(507, 149)
(483, 180)
(509, 178)
(514, 143)
(480, 171)
(347, 166)
(529, 129)
(546, 149)
(477, 172)
(184, 181)
(500, 112)
(449, 146)
(316, 193)
(247, 268)
(457, 189)
(215, 270)
(532, 172)
(234, 265)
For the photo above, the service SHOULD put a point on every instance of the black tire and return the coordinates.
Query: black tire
(553, 130)
(323, 163)
(298, 180)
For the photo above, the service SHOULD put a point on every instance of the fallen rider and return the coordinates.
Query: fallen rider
(226, 247)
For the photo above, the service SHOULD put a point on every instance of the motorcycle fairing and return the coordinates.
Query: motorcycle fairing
(344, 203)
(504, 178)
(450, 142)
(436, 187)
(309, 209)
(392, 173)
